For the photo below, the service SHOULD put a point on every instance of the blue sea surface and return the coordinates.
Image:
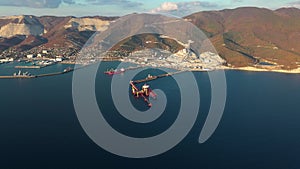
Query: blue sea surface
(259, 129)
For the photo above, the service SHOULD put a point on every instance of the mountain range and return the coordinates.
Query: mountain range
(243, 36)
(28, 32)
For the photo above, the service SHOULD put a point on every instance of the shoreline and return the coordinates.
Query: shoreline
(253, 69)
(247, 68)
(224, 68)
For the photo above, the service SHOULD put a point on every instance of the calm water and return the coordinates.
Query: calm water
(260, 127)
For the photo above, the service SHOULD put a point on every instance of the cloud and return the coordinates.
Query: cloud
(121, 3)
(295, 4)
(35, 3)
(166, 6)
(184, 8)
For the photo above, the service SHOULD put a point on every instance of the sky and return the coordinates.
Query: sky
(122, 7)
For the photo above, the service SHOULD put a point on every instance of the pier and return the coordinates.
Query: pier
(56, 73)
(29, 67)
(17, 77)
(151, 78)
(37, 76)
(144, 93)
(146, 90)
(122, 70)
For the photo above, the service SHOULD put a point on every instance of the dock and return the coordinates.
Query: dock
(29, 67)
(37, 76)
(56, 73)
(146, 90)
(120, 71)
(143, 93)
(147, 79)
(133, 67)
(151, 78)
(17, 77)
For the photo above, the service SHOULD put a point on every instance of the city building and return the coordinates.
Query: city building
(30, 56)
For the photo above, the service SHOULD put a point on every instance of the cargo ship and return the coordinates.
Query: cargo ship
(114, 71)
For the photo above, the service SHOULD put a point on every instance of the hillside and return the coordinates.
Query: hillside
(245, 36)
(242, 36)
(23, 33)
(20, 25)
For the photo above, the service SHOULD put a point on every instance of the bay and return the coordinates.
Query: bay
(259, 129)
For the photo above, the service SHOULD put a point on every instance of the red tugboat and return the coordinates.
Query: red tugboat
(114, 71)
(144, 93)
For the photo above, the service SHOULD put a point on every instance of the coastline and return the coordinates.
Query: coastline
(247, 68)
(254, 69)
(224, 68)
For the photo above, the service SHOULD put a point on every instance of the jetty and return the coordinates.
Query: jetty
(29, 67)
(29, 76)
(122, 70)
(17, 77)
(151, 78)
(67, 70)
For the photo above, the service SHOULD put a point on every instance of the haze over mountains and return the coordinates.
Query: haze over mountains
(242, 36)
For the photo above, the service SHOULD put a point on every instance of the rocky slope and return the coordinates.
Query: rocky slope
(20, 25)
(28, 32)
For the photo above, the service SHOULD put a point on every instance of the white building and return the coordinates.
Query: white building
(59, 59)
(30, 56)
(6, 60)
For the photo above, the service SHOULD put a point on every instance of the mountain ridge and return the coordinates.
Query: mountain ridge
(243, 36)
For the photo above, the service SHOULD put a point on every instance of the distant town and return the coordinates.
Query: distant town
(52, 54)
(182, 60)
